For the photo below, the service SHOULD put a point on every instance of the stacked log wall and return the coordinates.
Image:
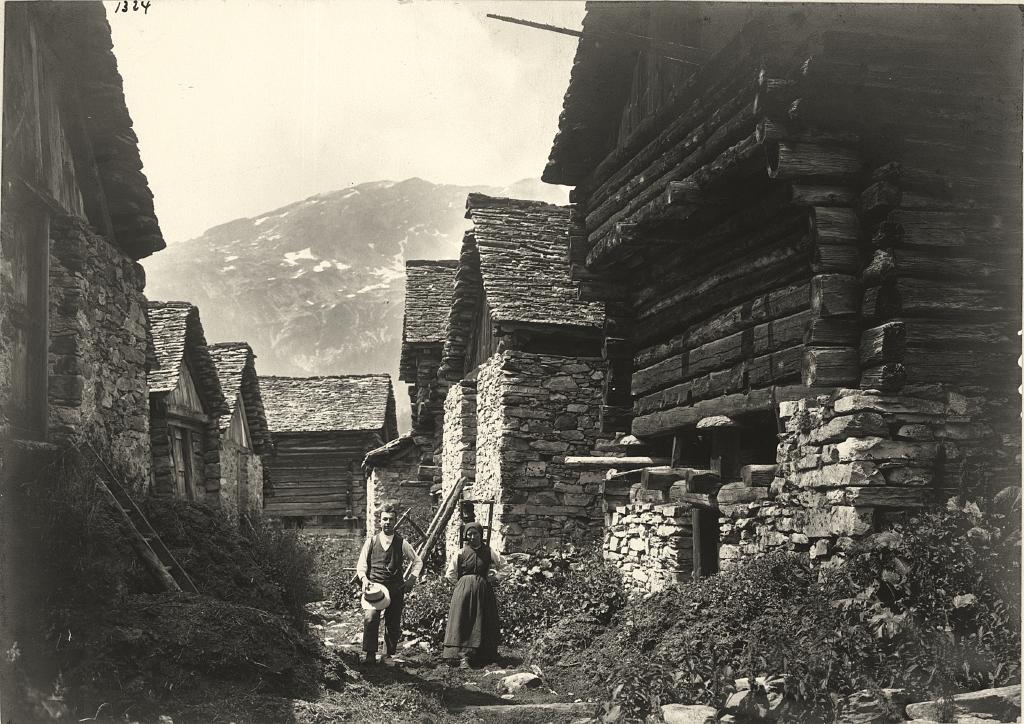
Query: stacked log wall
(534, 411)
(317, 478)
(898, 153)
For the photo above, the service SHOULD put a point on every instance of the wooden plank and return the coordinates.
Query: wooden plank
(275, 508)
(760, 400)
(835, 295)
(772, 305)
(885, 343)
(830, 366)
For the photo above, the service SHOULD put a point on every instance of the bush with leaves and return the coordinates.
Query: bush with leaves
(540, 589)
(931, 606)
(941, 593)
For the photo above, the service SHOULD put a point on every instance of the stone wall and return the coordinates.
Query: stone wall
(397, 478)
(97, 357)
(532, 412)
(650, 544)
(850, 461)
(847, 464)
(458, 450)
(231, 500)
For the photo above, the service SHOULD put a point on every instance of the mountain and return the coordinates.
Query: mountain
(317, 287)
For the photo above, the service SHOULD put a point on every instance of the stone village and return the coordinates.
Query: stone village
(779, 313)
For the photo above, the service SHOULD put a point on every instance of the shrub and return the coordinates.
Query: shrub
(932, 606)
(540, 589)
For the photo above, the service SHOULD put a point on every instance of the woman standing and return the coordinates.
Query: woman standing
(472, 631)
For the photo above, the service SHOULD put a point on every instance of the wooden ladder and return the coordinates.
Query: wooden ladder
(144, 539)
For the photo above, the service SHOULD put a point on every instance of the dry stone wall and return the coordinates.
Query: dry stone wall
(97, 354)
(458, 450)
(533, 411)
(847, 464)
(241, 490)
(650, 544)
(397, 478)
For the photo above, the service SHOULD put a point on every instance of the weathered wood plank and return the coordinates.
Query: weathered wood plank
(772, 305)
(884, 343)
(830, 366)
(669, 421)
(833, 295)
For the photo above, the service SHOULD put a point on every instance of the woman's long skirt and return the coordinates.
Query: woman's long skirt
(472, 621)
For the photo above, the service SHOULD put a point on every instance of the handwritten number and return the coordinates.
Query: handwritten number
(123, 6)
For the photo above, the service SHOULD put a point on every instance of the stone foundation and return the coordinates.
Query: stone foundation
(848, 463)
(650, 544)
(97, 352)
(532, 412)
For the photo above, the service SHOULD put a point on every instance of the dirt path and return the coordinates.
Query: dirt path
(417, 686)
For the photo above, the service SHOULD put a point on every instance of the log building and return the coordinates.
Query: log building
(523, 359)
(243, 430)
(322, 429)
(804, 222)
(185, 404)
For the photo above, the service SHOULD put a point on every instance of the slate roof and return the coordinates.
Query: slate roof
(524, 268)
(236, 369)
(429, 286)
(78, 32)
(516, 256)
(598, 83)
(328, 404)
(177, 335)
(379, 456)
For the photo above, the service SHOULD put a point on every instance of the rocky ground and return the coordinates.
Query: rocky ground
(416, 686)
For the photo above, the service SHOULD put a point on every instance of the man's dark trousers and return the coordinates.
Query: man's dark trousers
(392, 623)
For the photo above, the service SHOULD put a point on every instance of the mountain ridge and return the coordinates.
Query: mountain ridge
(317, 286)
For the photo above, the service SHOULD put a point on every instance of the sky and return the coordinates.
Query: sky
(242, 107)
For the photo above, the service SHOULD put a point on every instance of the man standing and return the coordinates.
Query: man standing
(382, 560)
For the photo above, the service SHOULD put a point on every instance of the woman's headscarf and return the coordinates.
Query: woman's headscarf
(473, 526)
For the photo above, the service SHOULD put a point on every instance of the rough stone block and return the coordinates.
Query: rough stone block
(880, 496)
(839, 520)
(841, 475)
(877, 448)
(860, 424)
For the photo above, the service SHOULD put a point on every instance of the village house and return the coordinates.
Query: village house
(523, 361)
(243, 430)
(76, 215)
(322, 429)
(186, 402)
(406, 469)
(807, 238)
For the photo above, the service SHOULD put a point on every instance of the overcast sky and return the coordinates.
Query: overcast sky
(241, 107)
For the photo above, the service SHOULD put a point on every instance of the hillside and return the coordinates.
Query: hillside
(317, 287)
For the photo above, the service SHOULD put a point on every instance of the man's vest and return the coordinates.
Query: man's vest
(385, 566)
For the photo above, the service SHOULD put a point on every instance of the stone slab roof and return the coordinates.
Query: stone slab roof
(328, 404)
(177, 336)
(80, 34)
(236, 369)
(380, 456)
(516, 257)
(429, 286)
(524, 268)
